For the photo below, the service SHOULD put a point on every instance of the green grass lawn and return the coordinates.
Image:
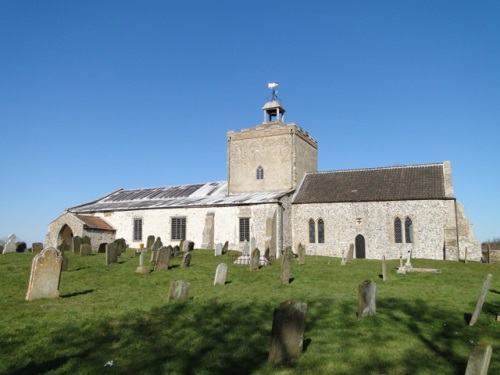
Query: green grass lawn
(115, 314)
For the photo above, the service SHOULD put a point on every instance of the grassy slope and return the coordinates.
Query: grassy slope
(112, 313)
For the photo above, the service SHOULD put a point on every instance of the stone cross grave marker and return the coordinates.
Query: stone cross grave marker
(218, 249)
(186, 260)
(178, 290)
(287, 336)
(76, 244)
(254, 260)
(220, 274)
(37, 247)
(479, 360)
(142, 268)
(286, 264)
(45, 275)
(85, 249)
(163, 258)
(301, 250)
(480, 301)
(367, 295)
(10, 246)
(111, 254)
(350, 253)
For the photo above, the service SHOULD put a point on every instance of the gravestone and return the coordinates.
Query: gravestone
(301, 250)
(178, 290)
(10, 246)
(408, 265)
(367, 295)
(286, 264)
(121, 246)
(149, 242)
(384, 269)
(479, 360)
(37, 247)
(142, 268)
(253, 243)
(287, 334)
(111, 254)
(401, 269)
(21, 247)
(246, 248)
(186, 261)
(208, 231)
(45, 275)
(187, 246)
(254, 260)
(343, 262)
(163, 258)
(218, 249)
(85, 249)
(181, 245)
(220, 274)
(480, 301)
(176, 250)
(154, 251)
(225, 248)
(350, 253)
(63, 247)
(76, 244)
(86, 240)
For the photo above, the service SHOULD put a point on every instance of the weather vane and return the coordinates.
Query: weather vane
(272, 86)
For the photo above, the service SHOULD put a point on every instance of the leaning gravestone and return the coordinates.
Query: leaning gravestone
(163, 258)
(76, 244)
(479, 360)
(10, 246)
(111, 254)
(301, 250)
(225, 248)
(186, 261)
(178, 290)
(480, 301)
(286, 264)
(45, 275)
(367, 294)
(254, 260)
(220, 274)
(37, 247)
(287, 335)
(85, 250)
(218, 249)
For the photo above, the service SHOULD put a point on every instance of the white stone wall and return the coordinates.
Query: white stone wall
(375, 221)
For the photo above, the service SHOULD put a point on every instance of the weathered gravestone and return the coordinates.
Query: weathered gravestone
(246, 248)
(181, 245)
(253, 243)
(45, 275)
(350, 253)
(156, 246)
(121, 246)
(149, 242)
(111, 254)
(85, 249)
(37, 247)
(63, 247)
(286, 264)
(76, 244)
(479, 360)
(208, 231)
(187, 246)
(10, 246)
(21, 247)
(178, 290)
(254, 260)
(287, 335)
(220, 274)
(225, 248)
(86, 240)
(186, 261)
(142, 268)
(367, 295)
(163, 258)
(218, 249)
(480, 301)
(301, 250)
(176, 250)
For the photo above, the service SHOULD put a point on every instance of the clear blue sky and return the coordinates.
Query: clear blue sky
(101, 95)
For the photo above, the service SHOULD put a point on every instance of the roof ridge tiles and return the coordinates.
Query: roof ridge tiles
(378, 168)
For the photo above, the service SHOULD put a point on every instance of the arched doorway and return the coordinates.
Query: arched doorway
(65, 234)
(360, 247)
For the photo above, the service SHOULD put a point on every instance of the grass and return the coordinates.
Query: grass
(114, 314)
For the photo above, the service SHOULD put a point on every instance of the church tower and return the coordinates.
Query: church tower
(272, 156)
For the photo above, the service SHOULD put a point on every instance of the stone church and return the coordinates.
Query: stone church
(275, 196)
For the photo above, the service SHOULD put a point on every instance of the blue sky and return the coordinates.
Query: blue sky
(101, 95)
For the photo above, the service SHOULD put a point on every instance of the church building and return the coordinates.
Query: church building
(275, 197)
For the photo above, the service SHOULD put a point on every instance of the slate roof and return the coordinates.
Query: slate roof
(195, 195)
(93, 222)
(425, 181)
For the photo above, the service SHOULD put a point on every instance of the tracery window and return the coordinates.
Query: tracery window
(398, 234)
(260, 173)
(321, 231)
(408, 230)
(312, 231)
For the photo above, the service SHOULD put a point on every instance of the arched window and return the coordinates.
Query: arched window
(398, 234)
(408, 230)
(312, 231)
(260, 173)
(321, 231)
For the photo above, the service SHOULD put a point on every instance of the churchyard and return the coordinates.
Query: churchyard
(123, 319)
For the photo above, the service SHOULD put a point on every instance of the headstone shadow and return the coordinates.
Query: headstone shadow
(78, 293)
(78, 269)
(306, 344)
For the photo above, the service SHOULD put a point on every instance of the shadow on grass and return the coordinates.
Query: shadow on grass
(77, 293)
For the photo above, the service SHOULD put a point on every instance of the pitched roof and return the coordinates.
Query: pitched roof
(195, 195)
(93, 222)
(425, 181)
